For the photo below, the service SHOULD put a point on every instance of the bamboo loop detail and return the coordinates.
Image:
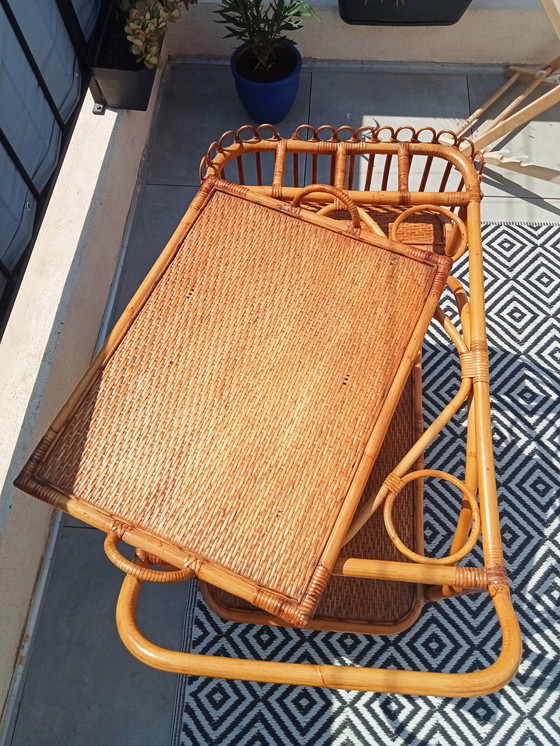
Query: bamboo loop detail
(456, 253)
(366, 219)
(414, 556)
(358, 142)
(370, 507)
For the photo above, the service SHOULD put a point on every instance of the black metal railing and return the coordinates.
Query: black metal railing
(36, 185)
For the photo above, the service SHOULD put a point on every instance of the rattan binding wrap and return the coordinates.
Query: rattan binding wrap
(231, 425)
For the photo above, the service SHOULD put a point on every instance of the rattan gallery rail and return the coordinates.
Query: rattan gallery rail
(254, 419)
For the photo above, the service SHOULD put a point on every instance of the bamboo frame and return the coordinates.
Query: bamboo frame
(327, 676)
(438, 580)
(435, 578)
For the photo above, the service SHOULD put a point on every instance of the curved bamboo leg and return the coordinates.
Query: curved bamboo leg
(471, 474)
(328, 676)
(447, 413)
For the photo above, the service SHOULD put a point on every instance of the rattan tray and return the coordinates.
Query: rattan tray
(231, 421)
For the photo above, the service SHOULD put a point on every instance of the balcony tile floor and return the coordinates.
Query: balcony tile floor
(82, 687)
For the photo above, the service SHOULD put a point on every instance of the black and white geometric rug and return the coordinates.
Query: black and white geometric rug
(523, 294)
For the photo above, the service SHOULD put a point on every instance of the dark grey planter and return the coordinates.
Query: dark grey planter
(403, 12)
(125, 89)
(122, 82)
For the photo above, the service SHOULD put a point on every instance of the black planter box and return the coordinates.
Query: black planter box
(402, 12)
(122, 82)
(125, 89)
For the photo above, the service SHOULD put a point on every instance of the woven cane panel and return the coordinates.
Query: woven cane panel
(232, 416)
(423, 229)
(380, 601)
(371, 601)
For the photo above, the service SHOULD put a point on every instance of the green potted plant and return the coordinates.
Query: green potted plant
(402, 12)
(266, 67)
(129, 50)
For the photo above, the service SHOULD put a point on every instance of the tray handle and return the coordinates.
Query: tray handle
(328, 189)
(138, 571)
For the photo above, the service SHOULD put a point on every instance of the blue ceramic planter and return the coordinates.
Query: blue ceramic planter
(267, 102)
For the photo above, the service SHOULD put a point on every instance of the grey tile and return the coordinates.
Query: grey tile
(71, 522)
(83, 686)
(199, 104)
(482, 86)
(371, 98)
(502, 182)
(368, 97)
(536, 141)
(158, 212)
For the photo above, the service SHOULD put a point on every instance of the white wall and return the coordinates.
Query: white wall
(52, 333)
(491, 31)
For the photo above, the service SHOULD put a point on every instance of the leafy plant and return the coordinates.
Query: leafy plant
(263, 25)
(146, 24)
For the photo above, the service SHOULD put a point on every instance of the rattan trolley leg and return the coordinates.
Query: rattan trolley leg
(328, 676)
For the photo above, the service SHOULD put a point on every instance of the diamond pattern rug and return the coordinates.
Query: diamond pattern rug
(523, 293)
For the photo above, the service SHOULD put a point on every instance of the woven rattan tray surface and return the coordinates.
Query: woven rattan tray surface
(234, 424)
(360, 604)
